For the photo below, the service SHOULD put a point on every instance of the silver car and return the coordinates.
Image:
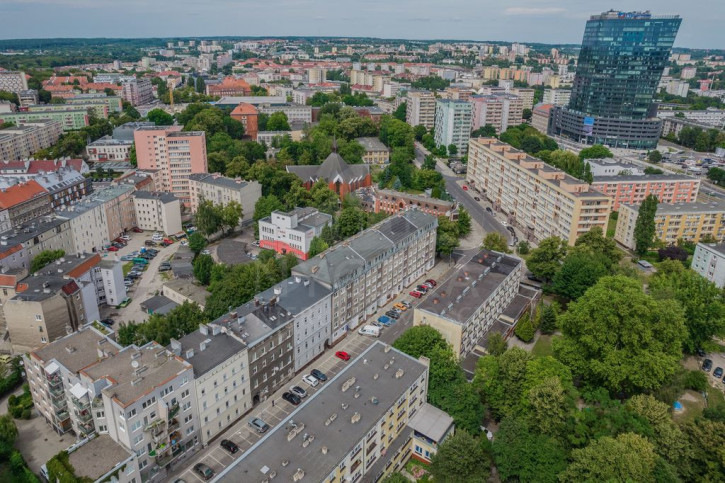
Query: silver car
(298, 391)
(258, 425)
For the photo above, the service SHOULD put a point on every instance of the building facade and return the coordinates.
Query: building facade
(23, 202)
(539, 199)
(375, 151)
(24, 140)
(633, 189)
(70, 117)
(499, 110)
(453, 120)
(13, 81)
(709, 262)
(221, 190)
(248, 115)
(557, 97)
(293, 231)
(108, 149)
(420, 108)
(391, 201)
(342, 178)
(157, 211)
(138, 91)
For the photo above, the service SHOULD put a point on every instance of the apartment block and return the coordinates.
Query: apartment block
(540, 200)
(526, 94)
(375, 151)
(157, 211)
(108, 149)
(481, 298)
(499, 110)
(229, 86)
(292, 231)
(633, 189)
(23, 140)
(369, 269)
(221, 376)
(686, 221)
(540, 117)
(453, 120)
(138, 91)
(221, 190)
(557, 97)
(19, 245)
(336, 435)
(65, 185)
(22, 203)
(296, 113)
(175, 153)
(13, 81)
(420, 108)
(70, 117)
(117, 201)
(709, 262)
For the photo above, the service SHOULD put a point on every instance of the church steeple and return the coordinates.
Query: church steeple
(334, 144)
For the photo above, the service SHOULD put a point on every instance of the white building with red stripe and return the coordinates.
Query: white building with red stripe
(292, 232)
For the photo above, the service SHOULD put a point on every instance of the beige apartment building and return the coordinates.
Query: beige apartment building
(221, 190)
(499, 110)
(157, 211)
(420, 108)
(375, 151)
(20, 142)
(540, 200)
(686, 221)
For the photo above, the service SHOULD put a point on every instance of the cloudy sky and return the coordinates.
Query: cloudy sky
(548, 21)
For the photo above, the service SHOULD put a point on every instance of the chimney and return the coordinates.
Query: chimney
(204, 329)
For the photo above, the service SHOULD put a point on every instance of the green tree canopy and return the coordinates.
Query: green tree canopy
(496, 241)
(644, 228)
(461, 459)
(44, 258)
(208, 218)
(578, 272)
(197, 242)
(202, 268)
(596, 151)
(160, 117)
(278, 122)
(545, 261)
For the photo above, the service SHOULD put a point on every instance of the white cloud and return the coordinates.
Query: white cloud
(533, 11)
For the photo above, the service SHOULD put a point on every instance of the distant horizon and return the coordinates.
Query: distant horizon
(526, 21)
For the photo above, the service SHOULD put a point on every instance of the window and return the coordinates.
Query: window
(38, 317)
(189, 430)
(138, 439)
(135, 426)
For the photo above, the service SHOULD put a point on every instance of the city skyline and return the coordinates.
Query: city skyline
(534, 20)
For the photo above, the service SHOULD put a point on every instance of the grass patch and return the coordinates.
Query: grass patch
(694, 403)
(543, 346)
(127, 268)
(416, 468)
(611, 227)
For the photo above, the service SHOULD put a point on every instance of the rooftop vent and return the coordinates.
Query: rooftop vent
(344, 406)
(387, 348)
(285, 463)
(309, 439)
(136, 381)
(347, 384)
(355, 417)
(331, 419)
(374, 400)
(375, 376)
(399, 373)
(299, 474)
(324, 450)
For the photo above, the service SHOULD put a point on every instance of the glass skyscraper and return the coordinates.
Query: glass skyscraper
(620, 64)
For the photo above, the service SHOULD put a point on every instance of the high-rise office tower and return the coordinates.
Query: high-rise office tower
(620, 64)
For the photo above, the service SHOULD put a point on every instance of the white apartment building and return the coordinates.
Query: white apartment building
(221, 190)
(420, 108)
(221, 377)
(138, 91)
(25, 139)
(296, 113)
(678, 88)
(13, 81)
(557, 97)
(368, 270)
(292, 231)
(499, 110)
(108, 149)
(88, 225)
(157, 211)
(316, 75)
(111, 275)
(709, 262)
(540, 200)
(453, 121)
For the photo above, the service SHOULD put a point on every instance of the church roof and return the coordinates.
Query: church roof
(333, 169)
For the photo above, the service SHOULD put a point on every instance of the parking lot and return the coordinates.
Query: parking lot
(718, 360)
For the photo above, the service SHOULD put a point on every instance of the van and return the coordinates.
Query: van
(370, 330)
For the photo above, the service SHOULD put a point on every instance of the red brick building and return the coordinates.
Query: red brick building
(230, 86)
(341, 177)
(247, 114)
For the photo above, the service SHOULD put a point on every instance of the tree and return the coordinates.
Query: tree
(200, 85)
(496, 344)
(132, 156)
(420, 340)
(594, 242)
(596, 151)
(629, 457)
(396, 478)
(523, 454)
(278, 122)
(672, 252)
(263, 208)
(464, 222)
(419, 132)
(654, 156)
(618, 337)
(317, 246)
(644, 228)
(400, 111)
(487, 131)
(579, 271)
(197, 242)
(8, 430)
(202, 268)
(160, 117)
(495, 241)
(668, 439)
(545, 261)
(231, 215)
(461, 458)
(548, 322)
(526, 114)
(452, 149)
(208, 218)
(523, 248)
(525, 329)
(44, 258)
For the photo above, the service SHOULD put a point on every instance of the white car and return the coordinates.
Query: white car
(310, 380)
(184, 243)
(125, 237)
(205, 252)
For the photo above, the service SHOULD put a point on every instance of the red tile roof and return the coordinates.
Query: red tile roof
(85, 266)
(20, 193)
(70, 288)
(243, 109)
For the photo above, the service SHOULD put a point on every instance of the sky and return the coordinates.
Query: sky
(545, 21)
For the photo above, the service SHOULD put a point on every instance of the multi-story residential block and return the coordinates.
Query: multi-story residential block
(19, 245)
(557, 97)
(28, 98)
(99, 102)
(296, 113)
(371, 268)
(175, 153)
(341, 177)
(109, 149)
(633, 189)
(138, 91)
(316, 75)
(453, 124)
(13, 81)
(375, 151)
(420, 108)
(22, 169)
(23, 202)
(481, 298)
(65, 186)
(357, 427)
(391, 201)
(124, 132)
(221, 376)
(686, 221)
(157, 211)
(70, 117)
(117, 201)
(229, 86)
(678, 88)
(709, 261)
(292, 231)
(539, 199)
(526, 95)
(248, 115)
(712, 117)
(540, 117)
(221, 190)
(499, 110)
(24, 140)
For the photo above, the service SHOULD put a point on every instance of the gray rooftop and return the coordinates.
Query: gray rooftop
(162, 196)
(458, 297)
(77, 350)
(715, 247)
(295, 294)
(207, 350)
(158, 304)
(29, 231)
(188, 289)
(643, 178)
(332, 169)
(109, 141)
(218, 180)
(693, 208)
(341, 435)
(372, 144)
(97, 457)
(431, 421)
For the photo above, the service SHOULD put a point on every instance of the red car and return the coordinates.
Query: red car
(465, 188)
(416, 294)
(136, 229)
(168, 240)
(112, 249)
(342, 355)
(432, 282)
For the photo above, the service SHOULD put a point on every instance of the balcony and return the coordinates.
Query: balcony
(173, 411)
(56, 391)
(155, 427)
(61, 416)
(173, 425)
(84, 416)
(54, 380)
(81, 404)
(59, 404)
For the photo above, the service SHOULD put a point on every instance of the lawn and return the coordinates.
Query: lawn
(694, 403)
(127, 268)
(543, 346)
(415, 468)
(611, 227)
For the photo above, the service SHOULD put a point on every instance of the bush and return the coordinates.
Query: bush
(525, 329)
(696, 380)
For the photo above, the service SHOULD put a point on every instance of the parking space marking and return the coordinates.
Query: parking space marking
(212, 457)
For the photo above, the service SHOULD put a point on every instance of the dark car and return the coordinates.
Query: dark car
(204, 471)
(319, 375)
(422, 288)
(229, 446)
(392, 314)
(432, 282)
(477, 198)
(707, 365)
(511, 229)
(488, 208)
(164, 268)
(717, 372)
(149, 243)
(291, 398)
(107, 321)
(136, 229)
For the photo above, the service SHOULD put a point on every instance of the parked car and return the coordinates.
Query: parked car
(717, 373)
(369, 330)
(465, 188)
(112, 249)
(164, 268)
(310, 380)
(431, 281)
(392, 314)
(400, 307)
(415, 294)
(204, 471)
(319, 375)
(125, 238)
(385, 320)
(407, 304)
(168, 240)
(422, 289)
(298, 391)
(127, 258)
(488, 208)
(184, 243)
(477, 198)
(341, 355)
(293, 399)
(259, 425)
(428, 284)
(136, 229)
(150, 243)
(229, 446)
(707, 365)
